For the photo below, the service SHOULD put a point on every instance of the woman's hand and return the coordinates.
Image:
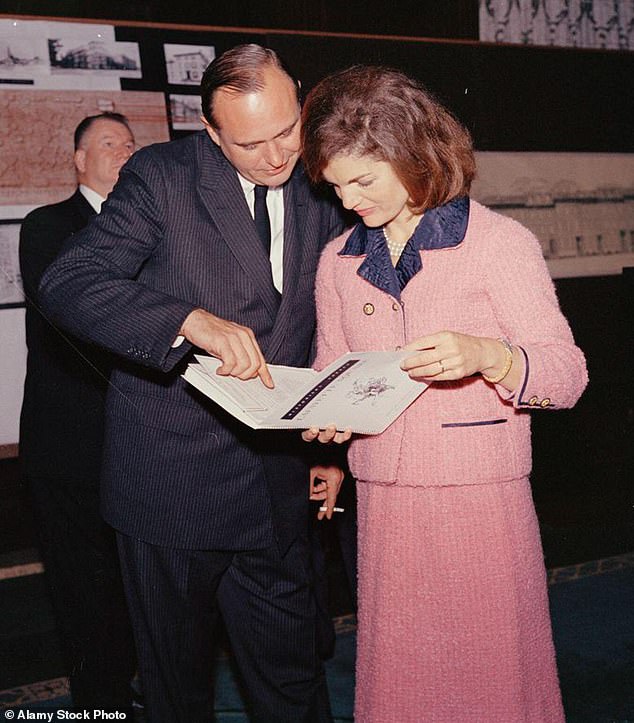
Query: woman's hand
(327, 435)
(325, 483)
(443, 356)
(448, 355)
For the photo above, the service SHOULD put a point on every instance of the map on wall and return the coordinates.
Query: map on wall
(36, 138)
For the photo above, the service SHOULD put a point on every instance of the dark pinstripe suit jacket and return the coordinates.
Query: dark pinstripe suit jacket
(61, 425)
(176, 234)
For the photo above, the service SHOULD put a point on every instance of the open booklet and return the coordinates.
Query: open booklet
(363, 391)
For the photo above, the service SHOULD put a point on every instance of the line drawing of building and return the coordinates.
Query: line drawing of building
(580, 206)
(10, 277)
(185, 111)
(11, 58)
(187, 68)
(573, 224)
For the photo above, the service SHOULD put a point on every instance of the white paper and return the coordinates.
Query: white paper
(363, 391)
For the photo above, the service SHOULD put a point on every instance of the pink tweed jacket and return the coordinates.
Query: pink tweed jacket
(494, 283)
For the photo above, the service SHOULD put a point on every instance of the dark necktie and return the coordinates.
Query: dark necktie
(263, 226)
(261, 215)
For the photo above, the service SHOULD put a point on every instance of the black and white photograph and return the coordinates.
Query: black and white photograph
(11, 294)
(64, 56)
(185, 64)
(588, 24)
(185, 112)
(579, 205)
(94, 55)
(22, 56)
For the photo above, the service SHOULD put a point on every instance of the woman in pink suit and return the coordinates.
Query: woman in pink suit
(453, 610)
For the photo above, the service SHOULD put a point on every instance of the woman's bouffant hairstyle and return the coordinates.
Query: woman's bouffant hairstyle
(383, 113)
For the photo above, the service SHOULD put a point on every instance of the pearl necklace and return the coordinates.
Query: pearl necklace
(394, 247)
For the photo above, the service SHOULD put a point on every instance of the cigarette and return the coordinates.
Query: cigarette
(334, 509)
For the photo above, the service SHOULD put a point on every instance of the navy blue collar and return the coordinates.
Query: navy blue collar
(440, 228)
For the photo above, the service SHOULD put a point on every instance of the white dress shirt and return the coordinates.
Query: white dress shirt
(275, 206)
(93, 198)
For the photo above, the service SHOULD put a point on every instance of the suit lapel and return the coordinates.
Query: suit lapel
(221, 193)
(82, 211)
(295, 200)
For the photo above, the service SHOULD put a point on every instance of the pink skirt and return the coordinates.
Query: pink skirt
(453, 621)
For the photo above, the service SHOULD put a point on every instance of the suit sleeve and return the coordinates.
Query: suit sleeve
(40, 243)
(92, 288)
(526, 306)
(337, 224)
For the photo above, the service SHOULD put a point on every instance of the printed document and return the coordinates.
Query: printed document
(363, 391)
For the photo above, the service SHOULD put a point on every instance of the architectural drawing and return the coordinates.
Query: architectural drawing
(185, 64)
(95, 55)
(185, 112)
(579, 205)
(10, 278)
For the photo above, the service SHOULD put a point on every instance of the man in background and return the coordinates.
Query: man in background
(61, 435)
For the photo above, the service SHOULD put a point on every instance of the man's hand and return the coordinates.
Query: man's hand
(325, 483)
(234, 345)
(327, 434)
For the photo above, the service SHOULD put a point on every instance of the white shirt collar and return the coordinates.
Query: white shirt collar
(275, 205)
(248, 186)
(94, 199)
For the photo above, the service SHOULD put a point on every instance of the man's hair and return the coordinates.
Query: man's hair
(240, 70)
(385, 114)
(84, 125)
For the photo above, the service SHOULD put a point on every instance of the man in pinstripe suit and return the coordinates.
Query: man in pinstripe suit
(211, 517)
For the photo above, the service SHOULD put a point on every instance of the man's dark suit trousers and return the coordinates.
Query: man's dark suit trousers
(268, 607)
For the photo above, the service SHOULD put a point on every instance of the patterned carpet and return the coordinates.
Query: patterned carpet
(592, 608)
